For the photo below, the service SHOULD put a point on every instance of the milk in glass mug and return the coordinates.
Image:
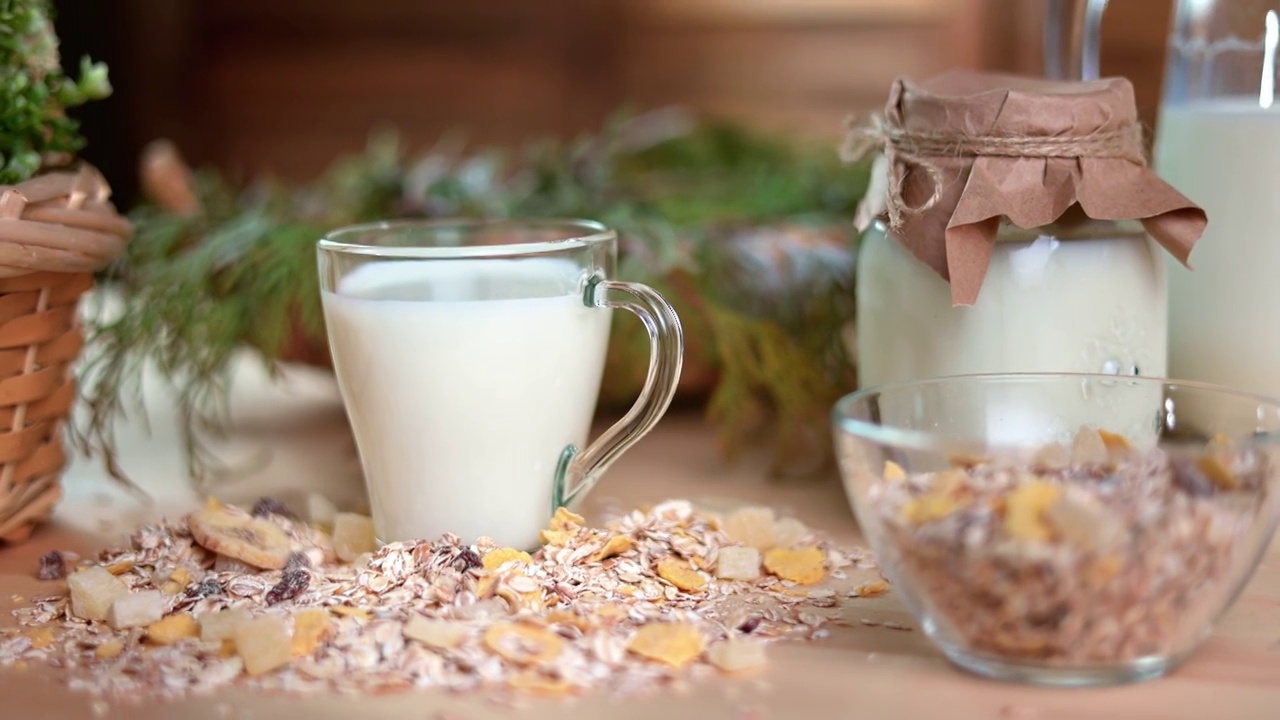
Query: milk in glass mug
(469, 355)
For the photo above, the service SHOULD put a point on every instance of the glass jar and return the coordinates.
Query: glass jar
(1218, 142)
(1081, 295)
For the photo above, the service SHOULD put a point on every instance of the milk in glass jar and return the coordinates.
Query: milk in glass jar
(1021, 231)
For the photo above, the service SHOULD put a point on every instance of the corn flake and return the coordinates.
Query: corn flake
(872, 588)
(804, 566)
(681, 574)
(109, 650)
(310, 628)
(1024, 510)
(523, 644)
(564, 519)
(676, 644)
(495, 559)
(616, 545)
(894, 471)
(1217, 472)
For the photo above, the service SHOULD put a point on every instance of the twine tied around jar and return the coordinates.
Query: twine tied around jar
(905, 150)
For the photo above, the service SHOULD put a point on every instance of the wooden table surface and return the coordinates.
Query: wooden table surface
(290, 439)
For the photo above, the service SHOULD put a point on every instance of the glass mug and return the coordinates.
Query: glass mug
(469, 355)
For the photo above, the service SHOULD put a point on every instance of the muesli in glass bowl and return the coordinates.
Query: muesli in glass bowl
(1063, 529)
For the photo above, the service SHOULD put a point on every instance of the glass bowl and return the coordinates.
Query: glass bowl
(1062, 529)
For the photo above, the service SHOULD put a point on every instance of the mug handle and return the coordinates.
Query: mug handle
(578, 471)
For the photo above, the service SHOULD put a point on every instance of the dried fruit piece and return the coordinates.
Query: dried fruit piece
(360, 614)
(752, 526)
(438, 634)
(495, 559)
(738, 563)
(1053, 456)
(893, 471)
(109, 650)
(1103, 570)
(1024, 510)
(93, 590)
(136, 609)
(467, 559)
(310, 628)
(872, 588)
(737, 655)
(1114, 442)
(789, 532)
(1217, 472)
(297, 561)
(267, 506)
(523, 644)
(221, 624)
(263, 643)
(538, 684)
(1079, 518)
(172, 629)
(352, 536)
(120, 567)
(1087, 447)
(681, 574)
(52, 566)
(250, 540)
(40, 638)
(292, 584)
(677, 644)
(320, 510)
(803, 566)
(614, 546)
(942, 499)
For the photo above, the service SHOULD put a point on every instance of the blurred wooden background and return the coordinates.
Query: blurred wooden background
(284, 86)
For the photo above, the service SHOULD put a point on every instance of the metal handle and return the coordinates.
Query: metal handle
(579, 471)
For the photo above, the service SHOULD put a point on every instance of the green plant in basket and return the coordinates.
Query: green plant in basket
(749, 236)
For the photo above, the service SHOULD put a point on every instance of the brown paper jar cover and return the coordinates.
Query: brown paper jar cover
(976, 148)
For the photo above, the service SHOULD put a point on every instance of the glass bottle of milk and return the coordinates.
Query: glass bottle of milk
(1078, 296)
(1218, 141)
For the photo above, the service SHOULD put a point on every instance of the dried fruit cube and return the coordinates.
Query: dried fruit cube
(753, 526)
(263, 643)
(1024, 510)
(495, 559)
(893, 471)
(1078, 518)
(803, 566)
(136, 609)
(254, 541)
(310, 628)
(681, 574)
(523, 644)
(221, 624)
(438, 634)
(872, 588)
(737, 655)
(177, 581)
(92, 592)
(676, 644)
(789, 532)
(170, 630)
(1087, 447)
(616, 545)
(320, 510)
(352, 536)
(738, 563)
(109, 650)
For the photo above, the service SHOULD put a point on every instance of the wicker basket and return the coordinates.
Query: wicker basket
(56, 230)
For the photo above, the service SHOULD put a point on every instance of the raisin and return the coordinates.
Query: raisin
(270, 506)
(205, 588)
(292, 584)
(52, 566)
(297, 561)
(749, 626)
(467, 559)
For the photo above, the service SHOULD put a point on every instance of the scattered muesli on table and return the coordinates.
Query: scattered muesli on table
(262, 599)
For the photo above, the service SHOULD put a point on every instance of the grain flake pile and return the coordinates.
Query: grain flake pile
(258, 598)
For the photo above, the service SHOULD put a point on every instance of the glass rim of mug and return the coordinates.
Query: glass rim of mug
(578, 233)
(925, 440)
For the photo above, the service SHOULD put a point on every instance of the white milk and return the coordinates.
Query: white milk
(461, 405)
(1080, 305)
(1225, 314)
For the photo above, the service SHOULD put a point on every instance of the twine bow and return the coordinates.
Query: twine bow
(905, 150)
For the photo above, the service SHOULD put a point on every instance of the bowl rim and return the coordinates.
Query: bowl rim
(926, 440)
